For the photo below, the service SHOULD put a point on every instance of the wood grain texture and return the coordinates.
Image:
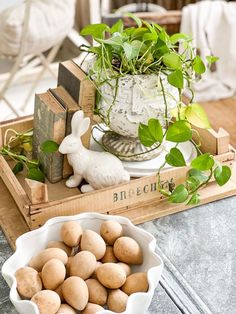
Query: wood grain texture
(222, 114)
(14, 225)
(36, 191)
(14, 187)
(12, 222)
(119, 198)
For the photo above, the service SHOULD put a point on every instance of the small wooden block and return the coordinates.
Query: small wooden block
(223, 141)
(36, 191)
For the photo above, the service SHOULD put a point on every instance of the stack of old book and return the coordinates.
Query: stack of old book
(53, 113)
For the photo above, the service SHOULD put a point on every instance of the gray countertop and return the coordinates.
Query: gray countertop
(198, 249)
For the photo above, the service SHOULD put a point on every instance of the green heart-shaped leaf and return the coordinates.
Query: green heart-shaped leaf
(117, 27)
(49, 147)
(172, 60)
(222, 174)
(192, 183)
(179, 131)
(179, 195)
(194, 200)
(95, 30)
(203, 162)
(131, 51)
(198, 65)
(175, 158)
(211, 59)
(145, 137)
(155, 129)
(179, 37)
(151, 133)
(36, 174)
(197, 116)
(176, 79)
(198, 175)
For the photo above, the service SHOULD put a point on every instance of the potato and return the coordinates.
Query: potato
(83, 264)
(60, 245)
(127, 250)
(126, 268)
(75, 292)
(136, 282)
(47, 301)
(93, 242)
(117, 301)
(92, 309)
(109, 256)
(53, 274)
(58, 290)
(111, 275)
(42, 257)
(111, 231)
(28, 282)
(97, 293)
(66, 309)
(71, 233)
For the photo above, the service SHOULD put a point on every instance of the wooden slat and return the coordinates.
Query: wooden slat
(19, 125)
(14, 225)
(125, 196)
(210, 193)
(211, 141)
(222, 141)
(14, 187)
(152, 211)
(11, 221)
(36, 191)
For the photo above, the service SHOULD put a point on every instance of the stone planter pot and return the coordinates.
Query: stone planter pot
(129, 101)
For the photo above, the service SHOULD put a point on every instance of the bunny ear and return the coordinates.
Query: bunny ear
(83, 126)
(76, 120)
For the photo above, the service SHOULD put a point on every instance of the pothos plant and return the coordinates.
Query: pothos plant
(148, 49)
(18, 147)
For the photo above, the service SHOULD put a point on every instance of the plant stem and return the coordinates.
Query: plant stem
(165, 102)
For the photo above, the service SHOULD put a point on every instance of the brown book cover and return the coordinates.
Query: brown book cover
(64, 98)
(81, 89)
(71, 107)
(49, 124)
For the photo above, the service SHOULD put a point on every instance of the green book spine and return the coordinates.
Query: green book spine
(69, 81)
(48, 125)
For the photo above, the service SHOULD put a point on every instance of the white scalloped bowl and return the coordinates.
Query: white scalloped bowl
(34, 241)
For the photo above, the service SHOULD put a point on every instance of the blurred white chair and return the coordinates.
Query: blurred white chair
(27, 53)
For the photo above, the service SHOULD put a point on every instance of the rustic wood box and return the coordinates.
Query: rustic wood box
(138, 199)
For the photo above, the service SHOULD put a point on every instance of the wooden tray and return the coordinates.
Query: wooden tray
(138, 199)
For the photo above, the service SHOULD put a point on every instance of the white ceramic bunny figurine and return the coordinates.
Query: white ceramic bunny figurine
(99, 169)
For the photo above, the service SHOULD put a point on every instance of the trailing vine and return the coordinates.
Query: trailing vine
(148, 49)
(18, 148)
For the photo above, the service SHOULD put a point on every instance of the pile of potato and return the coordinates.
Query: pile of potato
(84, 271)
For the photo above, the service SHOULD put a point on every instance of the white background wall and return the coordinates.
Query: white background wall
(7, 3)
